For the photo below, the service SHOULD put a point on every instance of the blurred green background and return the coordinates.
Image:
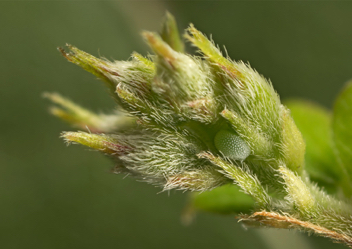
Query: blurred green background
(56, 197)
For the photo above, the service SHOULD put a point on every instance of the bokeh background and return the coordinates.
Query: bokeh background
(56, 197)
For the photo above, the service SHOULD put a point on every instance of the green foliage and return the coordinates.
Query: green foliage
(314, 122)
(244, 179)
(342, 134)
(226, 199)
(200, 122)
(170, 35)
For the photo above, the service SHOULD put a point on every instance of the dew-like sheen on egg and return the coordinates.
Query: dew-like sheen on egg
(231, 145)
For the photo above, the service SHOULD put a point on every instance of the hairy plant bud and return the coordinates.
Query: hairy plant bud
(175, 106)
(198, 122)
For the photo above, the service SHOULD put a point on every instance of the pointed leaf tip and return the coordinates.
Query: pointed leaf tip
(102, 143)
(211, 52)
(159, 46)
(170, 33)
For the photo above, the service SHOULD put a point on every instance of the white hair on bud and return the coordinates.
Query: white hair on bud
(167, 160)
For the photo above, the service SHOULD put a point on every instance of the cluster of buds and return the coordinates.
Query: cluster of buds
(187, 122)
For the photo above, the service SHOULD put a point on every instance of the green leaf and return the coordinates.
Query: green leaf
(342, 132)
(241, 176)
(101, 142)
(298, 192)
(170, 33)
(91, 64)
(211, 52)
(227, 199)
(314, 122)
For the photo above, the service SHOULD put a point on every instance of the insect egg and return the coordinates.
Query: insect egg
(231, 145)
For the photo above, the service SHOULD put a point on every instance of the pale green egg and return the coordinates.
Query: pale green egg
(231, 145)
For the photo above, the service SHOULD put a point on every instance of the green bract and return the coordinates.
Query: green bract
(199, 122)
